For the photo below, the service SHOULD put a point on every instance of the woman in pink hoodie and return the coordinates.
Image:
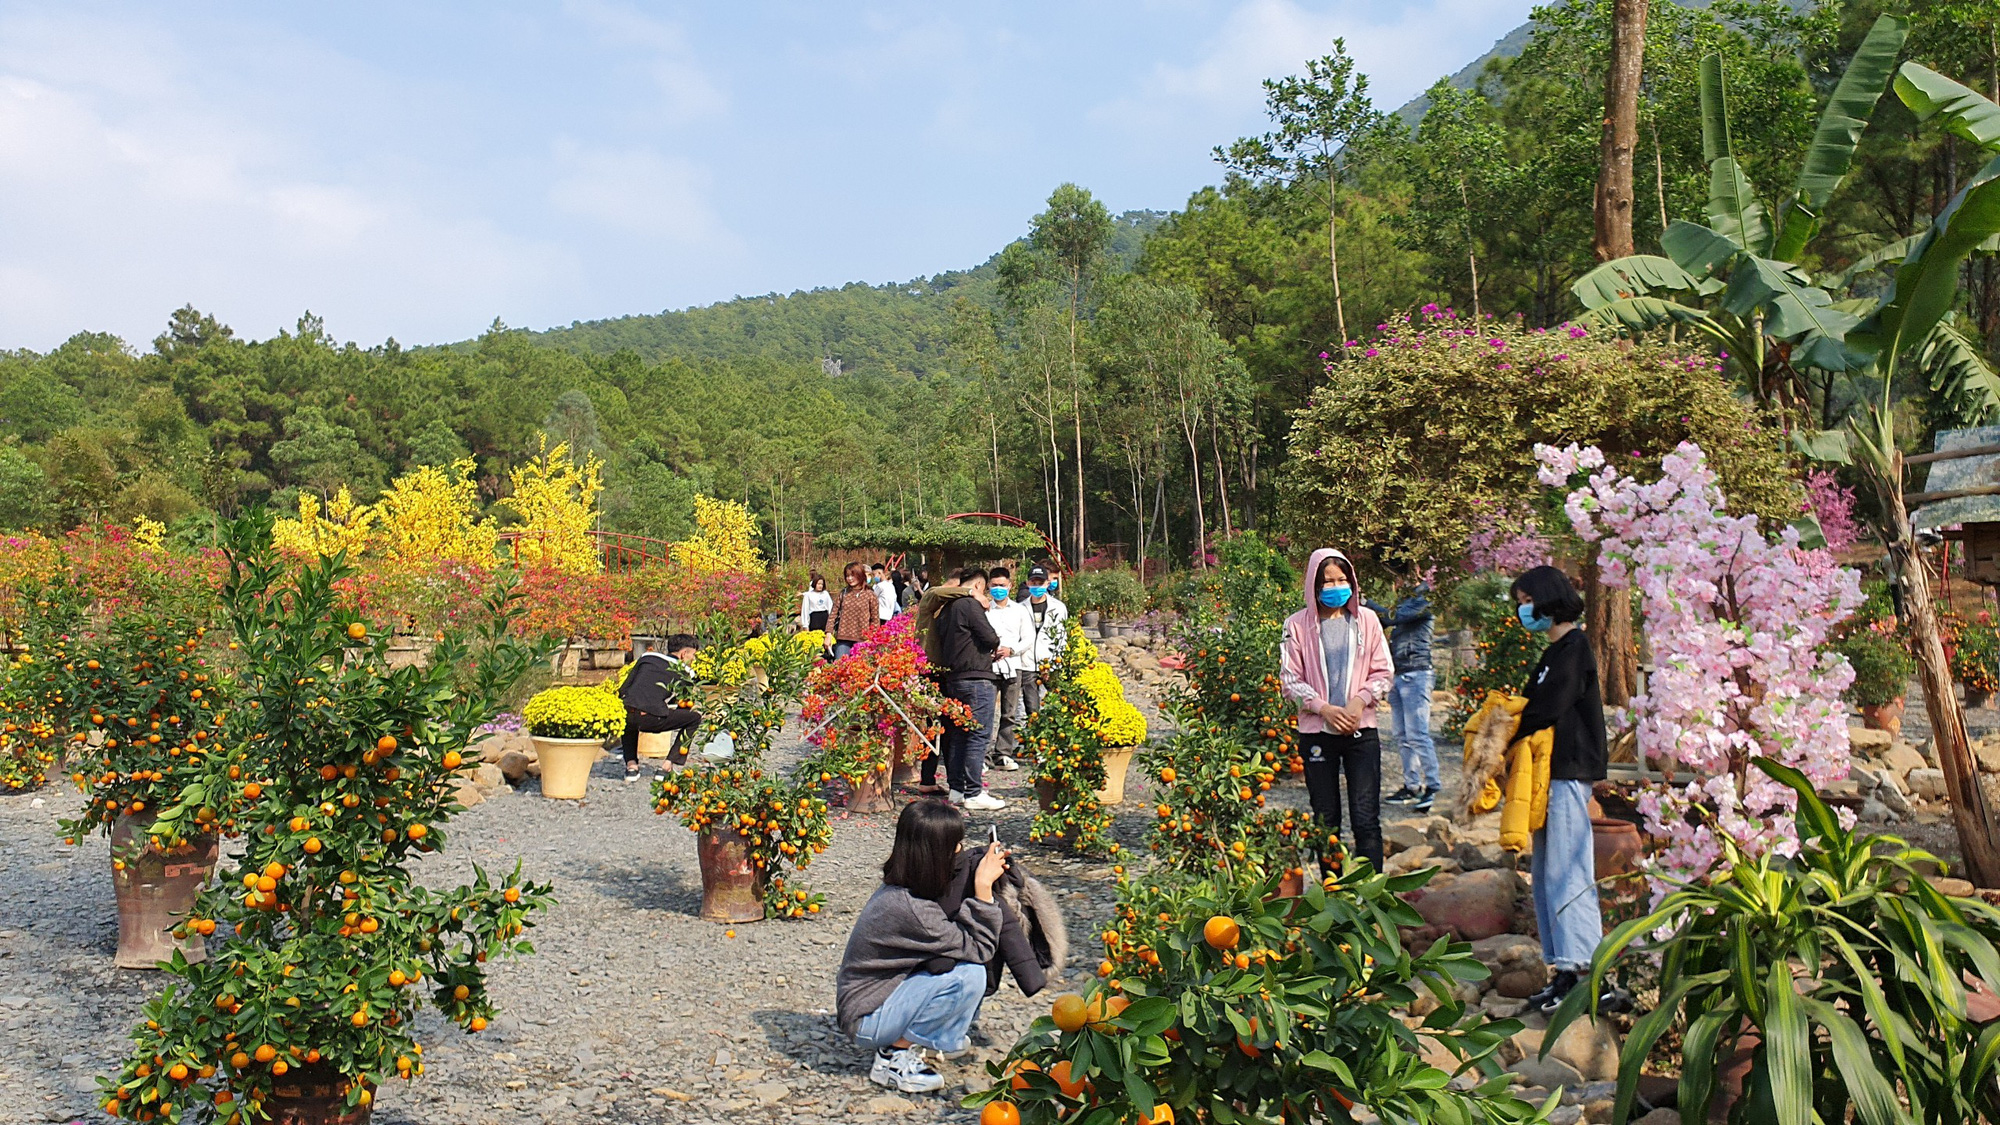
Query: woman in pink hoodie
(1334, 662)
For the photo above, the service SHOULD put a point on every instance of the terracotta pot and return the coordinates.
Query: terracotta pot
(1117, 760)
(1885, 716)
(316, 1094)
(1293, 884)
(907, 758)
(1618, 845)
(1978, 698)
(730, 888)
(566, 765)
(872, 794)
(155, 892)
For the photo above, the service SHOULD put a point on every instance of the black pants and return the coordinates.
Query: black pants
(1360, 755)
(638, 722)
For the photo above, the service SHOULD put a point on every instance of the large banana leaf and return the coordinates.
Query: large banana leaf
(1733, 209)
(1704, 253)
(1839, 132)
(1641, 314)
(1875, 259)
(1822, 445)
(1966, 114)
(1958, 371)
(1792, 306)
(1927, 283)
(1635, 276)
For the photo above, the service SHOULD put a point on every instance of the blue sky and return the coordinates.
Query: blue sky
(417, 169)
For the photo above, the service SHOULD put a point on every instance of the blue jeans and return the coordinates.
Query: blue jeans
(965, 750)
(842, 648)
(932, 1011)
(1565, 871)
(1410, 702)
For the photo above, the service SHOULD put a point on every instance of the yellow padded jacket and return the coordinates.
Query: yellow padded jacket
(1527, 808)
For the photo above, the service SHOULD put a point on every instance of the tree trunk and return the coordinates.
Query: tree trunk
(1333, 251)
(1613, 212)
(1970, 814)
(1607, 621)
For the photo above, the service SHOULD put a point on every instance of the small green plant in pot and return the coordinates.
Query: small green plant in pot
(1839, 978)
(1975, 658)
(1882, 669)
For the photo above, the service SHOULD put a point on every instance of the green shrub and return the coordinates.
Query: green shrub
(1115, 593)
(1882, 666)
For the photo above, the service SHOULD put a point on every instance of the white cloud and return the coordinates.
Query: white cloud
(1402, 48)
(636, 191)
(671, 63)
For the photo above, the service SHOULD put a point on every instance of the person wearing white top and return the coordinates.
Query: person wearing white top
(815, 604)
(885, 592)
(1016, 627)
(1047, 619)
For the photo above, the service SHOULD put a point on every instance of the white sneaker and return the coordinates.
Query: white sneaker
(954, 796)
(1007, 764)
(984, 802)
(904, 1069)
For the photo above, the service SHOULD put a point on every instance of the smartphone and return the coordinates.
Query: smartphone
(993, 834)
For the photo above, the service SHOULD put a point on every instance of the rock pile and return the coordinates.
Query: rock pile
(1136, 659)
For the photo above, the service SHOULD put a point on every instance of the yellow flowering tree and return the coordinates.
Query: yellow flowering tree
(433, 513)
(727, 538)
(346, 526)
(557, 501)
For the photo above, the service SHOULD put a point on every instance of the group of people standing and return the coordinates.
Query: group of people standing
(985, 639)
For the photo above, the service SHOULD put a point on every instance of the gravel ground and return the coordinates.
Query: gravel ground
(631, 1009)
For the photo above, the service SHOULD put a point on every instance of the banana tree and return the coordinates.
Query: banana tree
(1741, 270)
(1912, 318)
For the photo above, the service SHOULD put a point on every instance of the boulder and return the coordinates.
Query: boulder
(487, 776)
(1864, 740)
(1901, 758)
(1956, 888)
(1402, 835)
(1546, 1073)
(514, 765)
(1479, 857)
(1987, 752)
(1660, 1117)
(467, 793)
(1926, 784)
(1590, 1048)
(494, 746)
(1515, 962)
(1474, 905)
(1408, 860)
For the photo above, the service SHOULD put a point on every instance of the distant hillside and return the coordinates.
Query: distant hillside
(902, 326)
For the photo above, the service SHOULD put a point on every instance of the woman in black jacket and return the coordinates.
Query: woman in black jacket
(1563, 694)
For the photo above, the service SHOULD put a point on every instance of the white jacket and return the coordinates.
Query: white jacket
(1053, 636)
(1016, 627)
(885, 599)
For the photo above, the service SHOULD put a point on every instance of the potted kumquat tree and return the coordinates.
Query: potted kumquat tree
(344, 768)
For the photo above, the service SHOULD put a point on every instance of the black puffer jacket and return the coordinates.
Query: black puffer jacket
(657, 684)
(965, 640)
(1033, 939)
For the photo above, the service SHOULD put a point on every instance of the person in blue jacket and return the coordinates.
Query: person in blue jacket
(1409, 626)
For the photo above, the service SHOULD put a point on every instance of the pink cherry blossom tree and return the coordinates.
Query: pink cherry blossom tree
(1737, 623)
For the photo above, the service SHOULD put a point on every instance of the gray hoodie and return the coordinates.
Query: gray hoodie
(895, 934)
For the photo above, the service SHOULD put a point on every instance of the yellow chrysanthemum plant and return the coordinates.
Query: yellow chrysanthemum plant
(432, 513)
(1083, 711)
(727, 539)
(1118, 722)
(574, 712)
(556, 499)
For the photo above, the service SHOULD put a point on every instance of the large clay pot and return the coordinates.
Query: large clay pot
(1978, 698)
(872, 794)
(908, 760)
(1292, 885)
(155, 892)
(1618, 846)
(1884, 716)
(315, 1094)
(730, 888)
(1117, 760)
(566, 765)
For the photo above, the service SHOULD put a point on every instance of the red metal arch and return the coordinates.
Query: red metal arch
(1056, 555)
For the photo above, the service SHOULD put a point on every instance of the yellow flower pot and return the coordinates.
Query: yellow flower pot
(566, 765)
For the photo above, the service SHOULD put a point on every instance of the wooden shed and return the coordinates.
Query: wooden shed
(1961, 497)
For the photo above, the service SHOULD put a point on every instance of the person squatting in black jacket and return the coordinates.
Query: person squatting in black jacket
(656, 697)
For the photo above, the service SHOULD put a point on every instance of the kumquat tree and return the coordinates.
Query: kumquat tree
(344, 770)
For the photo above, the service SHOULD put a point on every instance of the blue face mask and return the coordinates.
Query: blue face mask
(999, 593)
(1038, 591)
(1333, 597)
(1530, 620)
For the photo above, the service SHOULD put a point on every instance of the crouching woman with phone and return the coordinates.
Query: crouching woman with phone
(884, 997)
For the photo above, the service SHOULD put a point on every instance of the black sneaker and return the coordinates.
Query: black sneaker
(1614, 999)
(1402, 796)
(1558, 987)
(1424, 801)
